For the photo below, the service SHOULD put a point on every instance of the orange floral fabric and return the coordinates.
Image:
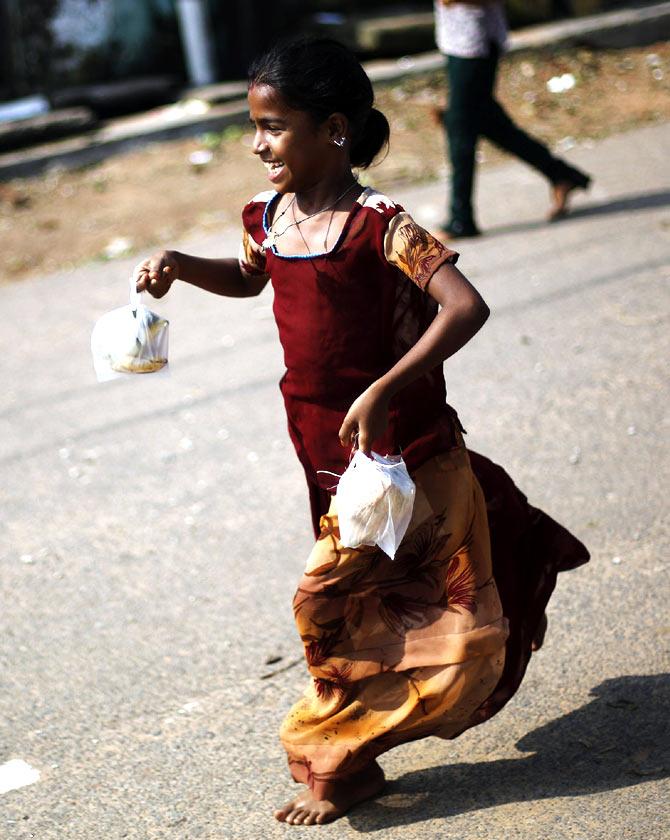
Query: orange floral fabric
(397, 649)
(415, 251)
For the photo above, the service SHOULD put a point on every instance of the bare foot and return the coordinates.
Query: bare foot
(538, 638)
(306, 810)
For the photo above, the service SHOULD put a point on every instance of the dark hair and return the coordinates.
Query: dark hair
(322, 77)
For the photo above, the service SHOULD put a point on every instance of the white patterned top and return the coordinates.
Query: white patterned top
(467, 30)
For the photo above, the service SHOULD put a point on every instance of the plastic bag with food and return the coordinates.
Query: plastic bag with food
(131, 339)
(375, 499)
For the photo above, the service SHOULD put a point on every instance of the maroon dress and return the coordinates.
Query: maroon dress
(345, 317)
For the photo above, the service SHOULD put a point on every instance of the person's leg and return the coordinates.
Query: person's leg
(467, 84)
(498, 127)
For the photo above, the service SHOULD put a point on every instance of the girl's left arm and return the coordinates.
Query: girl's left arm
(463, 312)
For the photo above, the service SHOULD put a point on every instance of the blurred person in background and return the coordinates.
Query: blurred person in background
(472, 35)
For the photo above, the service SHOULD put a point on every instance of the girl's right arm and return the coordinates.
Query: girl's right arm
(219, 276)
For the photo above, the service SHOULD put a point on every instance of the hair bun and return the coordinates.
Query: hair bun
(372, 137)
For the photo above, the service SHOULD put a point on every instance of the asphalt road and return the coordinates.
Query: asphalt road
(152, 532)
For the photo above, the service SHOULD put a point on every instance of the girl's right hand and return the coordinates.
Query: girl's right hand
(156, 274)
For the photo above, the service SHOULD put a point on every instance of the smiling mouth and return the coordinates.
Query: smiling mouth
(273, 166)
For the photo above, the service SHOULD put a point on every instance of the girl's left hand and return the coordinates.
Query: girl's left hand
(367, 418)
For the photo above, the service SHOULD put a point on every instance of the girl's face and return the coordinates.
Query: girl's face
(297, 152)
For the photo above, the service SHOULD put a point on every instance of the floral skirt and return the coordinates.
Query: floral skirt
(432, 642)
(397, 649)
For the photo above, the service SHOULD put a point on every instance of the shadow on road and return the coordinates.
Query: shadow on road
(626, 204)
(618, 739)
(645, 201)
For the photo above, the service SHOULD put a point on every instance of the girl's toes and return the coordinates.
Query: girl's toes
(288, 811)
(296, 818)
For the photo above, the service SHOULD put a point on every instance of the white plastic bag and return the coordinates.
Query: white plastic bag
(131, 339)
(375, 499)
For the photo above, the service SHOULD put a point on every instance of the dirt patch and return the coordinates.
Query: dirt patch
(156, 196)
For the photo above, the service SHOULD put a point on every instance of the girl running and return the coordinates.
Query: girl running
(368, 306)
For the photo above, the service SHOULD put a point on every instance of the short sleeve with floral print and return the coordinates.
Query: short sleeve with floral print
(414, 250)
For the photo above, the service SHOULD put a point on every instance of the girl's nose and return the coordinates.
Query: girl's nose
(259, 143)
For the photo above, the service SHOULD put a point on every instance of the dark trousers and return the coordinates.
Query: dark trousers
(473, 112)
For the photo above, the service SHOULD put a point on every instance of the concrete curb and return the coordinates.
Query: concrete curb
(628, 27)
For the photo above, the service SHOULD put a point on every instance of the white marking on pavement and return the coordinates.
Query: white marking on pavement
(16, 774)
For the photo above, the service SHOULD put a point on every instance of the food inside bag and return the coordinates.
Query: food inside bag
(131, 339)
(375, 499)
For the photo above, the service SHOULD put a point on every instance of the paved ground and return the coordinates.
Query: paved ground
(153, 530)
